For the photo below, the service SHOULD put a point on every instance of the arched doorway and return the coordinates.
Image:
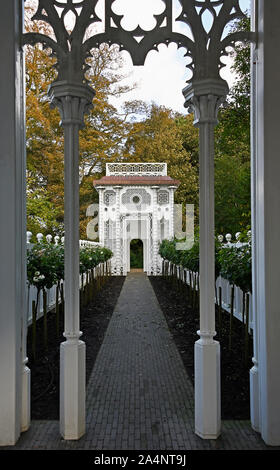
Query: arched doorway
(136, 254)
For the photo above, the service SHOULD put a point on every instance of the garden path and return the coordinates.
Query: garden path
(139, 395)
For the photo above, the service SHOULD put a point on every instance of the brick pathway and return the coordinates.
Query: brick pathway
(139, 395)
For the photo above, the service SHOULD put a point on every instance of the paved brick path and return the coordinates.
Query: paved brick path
(139, 395)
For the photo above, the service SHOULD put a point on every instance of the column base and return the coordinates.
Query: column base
(25, 407)
(254, 397)
(72, 389)
(207, 389)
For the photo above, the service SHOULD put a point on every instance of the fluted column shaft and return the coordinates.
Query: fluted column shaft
(172, 190)
(73, 101)
(204, 97)
(101, 231)
(118, 260)
(155, 237)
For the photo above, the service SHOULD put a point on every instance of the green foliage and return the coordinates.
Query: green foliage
(101, 140)
(232, 194)
(90, 257)
(110, 134)
(43, 216)
(167, 250)
(45, 263)
(190, 258)
(165, 136)
(232, 263)
(232, 144)
(235, 266)
(186, 258)
(136, 254)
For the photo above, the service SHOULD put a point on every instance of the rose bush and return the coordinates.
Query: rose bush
(45, 263)
(232, 262)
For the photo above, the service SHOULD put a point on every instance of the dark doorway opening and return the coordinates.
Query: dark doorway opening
(136, 254)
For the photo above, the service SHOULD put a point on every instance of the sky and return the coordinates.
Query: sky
(164, 74)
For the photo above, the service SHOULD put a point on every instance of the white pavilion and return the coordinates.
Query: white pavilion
(136, 202)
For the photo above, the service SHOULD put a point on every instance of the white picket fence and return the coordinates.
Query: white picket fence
(226, 287)
(51, 293)
(185, 276)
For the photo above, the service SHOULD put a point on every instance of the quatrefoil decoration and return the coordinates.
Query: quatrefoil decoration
(203, 48)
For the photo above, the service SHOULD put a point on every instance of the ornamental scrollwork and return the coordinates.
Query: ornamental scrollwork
(205, 45)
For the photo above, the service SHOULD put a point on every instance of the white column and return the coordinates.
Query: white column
(73, 101)
(155, 231)
(14, 374)
(254, 372)
(118, 260)
(172, 190)
(204, 97)
(26, 384)
(101, 215)
(267, 220)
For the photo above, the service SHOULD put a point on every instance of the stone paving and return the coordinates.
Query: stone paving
(139, 395)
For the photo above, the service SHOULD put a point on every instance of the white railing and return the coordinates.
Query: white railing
(136, 169)
(184, 275)
(238, 308)
(51, 293)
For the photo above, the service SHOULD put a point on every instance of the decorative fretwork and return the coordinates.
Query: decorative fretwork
(162, 197)
(110, 234)
(109, 198)
(136, 197)
(163, 228)
(207, 42)
(66, 42)
(136, 169)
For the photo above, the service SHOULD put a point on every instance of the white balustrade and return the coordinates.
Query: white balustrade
(40, 237)
(228, 238)
(56, 239)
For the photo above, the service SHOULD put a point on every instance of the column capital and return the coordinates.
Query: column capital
(203, 98)
(74, 100)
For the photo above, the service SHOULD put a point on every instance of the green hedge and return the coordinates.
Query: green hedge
(45, 263)
(231, 262)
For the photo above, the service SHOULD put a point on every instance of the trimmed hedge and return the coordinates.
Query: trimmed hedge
(233, 263)
(45, 263)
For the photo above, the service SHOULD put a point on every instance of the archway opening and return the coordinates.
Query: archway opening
(136, 254)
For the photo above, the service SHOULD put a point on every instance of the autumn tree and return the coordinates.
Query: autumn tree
(102, 138)
(232, 162)
(44, 141)
(159, 138)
